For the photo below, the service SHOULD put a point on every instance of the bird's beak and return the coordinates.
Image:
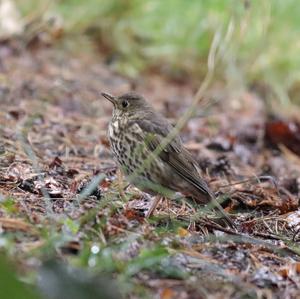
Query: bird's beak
(109, 97)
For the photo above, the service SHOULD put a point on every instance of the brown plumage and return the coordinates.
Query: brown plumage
(135, 132)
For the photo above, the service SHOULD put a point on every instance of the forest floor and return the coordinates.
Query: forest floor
(62, 197)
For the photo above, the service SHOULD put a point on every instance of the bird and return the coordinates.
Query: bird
(137, 133)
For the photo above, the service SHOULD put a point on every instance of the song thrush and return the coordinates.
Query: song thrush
(136, 133)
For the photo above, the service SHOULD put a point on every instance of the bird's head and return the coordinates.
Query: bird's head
(127, 104)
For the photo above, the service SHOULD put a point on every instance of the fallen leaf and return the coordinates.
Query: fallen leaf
(182, 232)
(286, 132)
(132, 214)
(56, 162)
(265, 196)
(167, 293)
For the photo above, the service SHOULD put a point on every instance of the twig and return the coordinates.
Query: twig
(252, 179)
(213, 225)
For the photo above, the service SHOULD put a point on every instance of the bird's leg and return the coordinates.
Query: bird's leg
(153, 206)
(121, 184)
(169, 208)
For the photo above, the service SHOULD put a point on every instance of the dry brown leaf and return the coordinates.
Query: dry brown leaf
(265, 196)
(182, 232)
(167, 293)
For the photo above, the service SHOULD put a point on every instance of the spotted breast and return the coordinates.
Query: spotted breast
(128, 145)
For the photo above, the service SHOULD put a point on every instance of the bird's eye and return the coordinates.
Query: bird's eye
(125, 103)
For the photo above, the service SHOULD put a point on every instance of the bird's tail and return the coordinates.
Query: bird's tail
(205, 195)
(217, 205)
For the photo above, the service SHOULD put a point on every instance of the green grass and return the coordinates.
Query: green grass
(11, 287)
(175, 36)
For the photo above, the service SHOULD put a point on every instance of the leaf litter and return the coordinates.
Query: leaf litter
(60, 188)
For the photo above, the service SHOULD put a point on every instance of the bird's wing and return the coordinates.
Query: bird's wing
(174, 153)
(177, 157)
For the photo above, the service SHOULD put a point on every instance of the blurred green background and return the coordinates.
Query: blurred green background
(259, 39)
